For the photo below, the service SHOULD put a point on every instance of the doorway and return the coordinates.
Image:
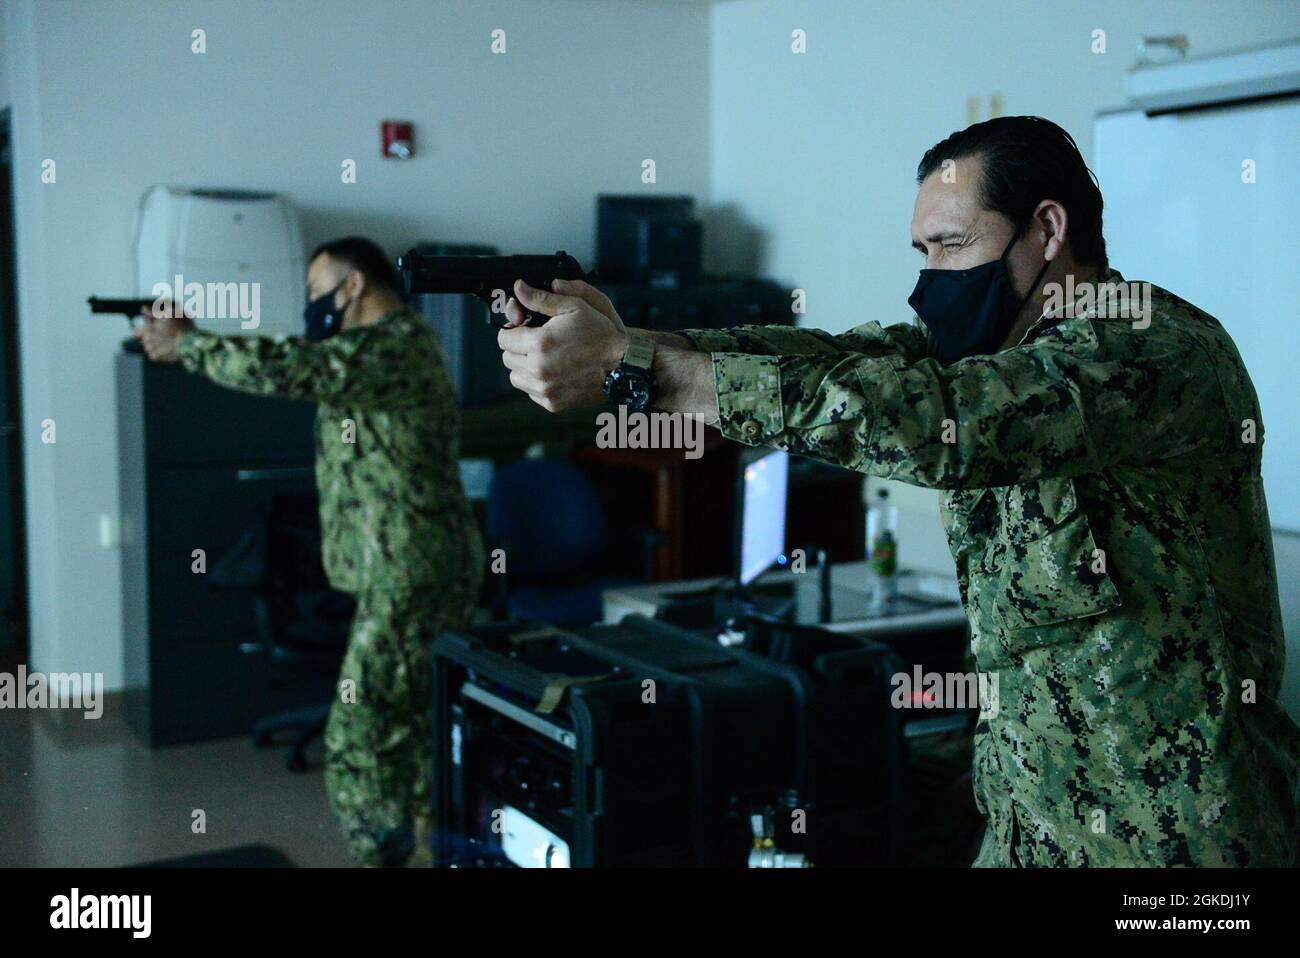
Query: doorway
(13, 537)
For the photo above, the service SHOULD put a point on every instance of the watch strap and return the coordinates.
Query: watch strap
(640, 352)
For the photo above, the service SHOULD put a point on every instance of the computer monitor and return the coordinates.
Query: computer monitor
(761, 514)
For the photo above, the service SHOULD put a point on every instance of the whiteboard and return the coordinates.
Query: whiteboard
(1178, 214)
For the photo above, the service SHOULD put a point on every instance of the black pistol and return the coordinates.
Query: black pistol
(130, 308)
(490, 278)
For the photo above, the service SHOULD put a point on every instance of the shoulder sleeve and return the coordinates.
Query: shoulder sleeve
(872, 339)
(368, 366)
(1054, 407)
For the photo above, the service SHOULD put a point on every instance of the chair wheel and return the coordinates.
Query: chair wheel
(261, 739)
(297, 762)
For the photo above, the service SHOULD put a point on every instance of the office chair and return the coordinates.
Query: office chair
(547, 517)
(301, 623)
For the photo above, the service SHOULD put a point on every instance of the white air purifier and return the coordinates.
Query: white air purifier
(233, 258)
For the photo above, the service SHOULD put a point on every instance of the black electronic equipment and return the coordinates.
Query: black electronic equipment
(643, 744)
(648, 241)
(712, 304)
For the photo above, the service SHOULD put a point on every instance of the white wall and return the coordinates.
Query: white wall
(511, 149)
(818, 152)
(4, 62)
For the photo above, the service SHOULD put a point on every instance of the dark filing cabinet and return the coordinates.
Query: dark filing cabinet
(198, 464)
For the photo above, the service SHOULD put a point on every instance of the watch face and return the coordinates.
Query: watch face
(630, 387)
(638, 392)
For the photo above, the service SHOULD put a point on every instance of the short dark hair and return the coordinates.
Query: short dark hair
(365, 256)
(1023, 161)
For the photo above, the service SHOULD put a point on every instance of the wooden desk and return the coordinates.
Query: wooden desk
(667, 469)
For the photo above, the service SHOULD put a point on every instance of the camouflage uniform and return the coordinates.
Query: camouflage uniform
(1107, 517)
(397, 532)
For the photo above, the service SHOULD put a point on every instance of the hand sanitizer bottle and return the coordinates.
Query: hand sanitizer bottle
(882, 551)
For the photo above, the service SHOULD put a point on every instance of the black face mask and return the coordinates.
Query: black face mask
(970, 311)
(321, 318)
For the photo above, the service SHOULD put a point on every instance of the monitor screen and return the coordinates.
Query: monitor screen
(762, 514)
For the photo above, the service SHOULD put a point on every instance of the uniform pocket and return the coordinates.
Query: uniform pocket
(1049, 575)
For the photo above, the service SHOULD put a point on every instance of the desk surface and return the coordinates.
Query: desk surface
(645, 599)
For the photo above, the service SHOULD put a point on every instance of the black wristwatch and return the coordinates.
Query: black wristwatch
(632, 382)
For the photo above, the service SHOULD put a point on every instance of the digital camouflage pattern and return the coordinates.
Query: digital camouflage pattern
(396, 531)
(393, 515)
(1107, 517)
(379, 737)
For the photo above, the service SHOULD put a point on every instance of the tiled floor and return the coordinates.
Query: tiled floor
(88, 793)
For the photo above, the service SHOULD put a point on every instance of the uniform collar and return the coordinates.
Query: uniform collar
(392, 314)
(1072, 309)
(396, 313)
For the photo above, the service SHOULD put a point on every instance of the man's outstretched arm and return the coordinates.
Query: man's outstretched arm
(869, 339)
(682, 362)
(359, 365)
(1040, 410)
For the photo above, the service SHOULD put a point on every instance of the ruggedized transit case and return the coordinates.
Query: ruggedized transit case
(644, 744)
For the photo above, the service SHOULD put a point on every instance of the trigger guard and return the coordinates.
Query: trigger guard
(498, 320)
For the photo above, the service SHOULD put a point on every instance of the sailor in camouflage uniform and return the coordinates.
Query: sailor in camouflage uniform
(397, 530)
(1103, 502)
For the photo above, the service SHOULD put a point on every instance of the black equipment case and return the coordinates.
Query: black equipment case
(644, 744)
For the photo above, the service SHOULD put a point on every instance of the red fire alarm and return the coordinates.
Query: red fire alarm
(397, 139)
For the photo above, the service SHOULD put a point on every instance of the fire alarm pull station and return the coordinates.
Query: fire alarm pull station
(397, 139)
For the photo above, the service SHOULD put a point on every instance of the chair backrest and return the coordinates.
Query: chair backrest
(546, 515)
(301, 606)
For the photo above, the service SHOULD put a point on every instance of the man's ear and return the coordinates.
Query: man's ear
(1054, 221)
(355, 284)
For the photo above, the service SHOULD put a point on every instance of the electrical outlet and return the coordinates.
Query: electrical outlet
(110, 532)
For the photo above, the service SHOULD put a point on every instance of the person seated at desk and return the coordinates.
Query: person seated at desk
(397, 530)
(1105, 506)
